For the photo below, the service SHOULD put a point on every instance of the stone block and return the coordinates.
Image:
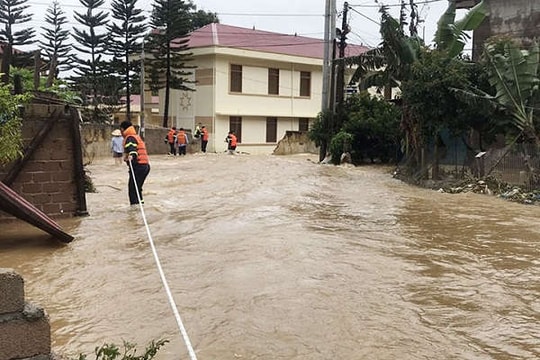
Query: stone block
(11, 292)
(25, 334)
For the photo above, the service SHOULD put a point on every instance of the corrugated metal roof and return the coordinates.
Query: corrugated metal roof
(258, 40)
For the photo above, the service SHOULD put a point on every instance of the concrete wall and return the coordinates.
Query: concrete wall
(295, 142)
(518, 19)
(96, 141)
(25, 332)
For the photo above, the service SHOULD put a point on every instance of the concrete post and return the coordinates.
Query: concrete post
(25, 332)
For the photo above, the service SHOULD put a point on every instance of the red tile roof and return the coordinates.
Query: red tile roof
(265, 41)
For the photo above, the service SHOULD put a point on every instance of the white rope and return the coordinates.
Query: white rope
(162, 274)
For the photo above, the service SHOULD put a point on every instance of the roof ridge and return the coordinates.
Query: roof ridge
(215, 37)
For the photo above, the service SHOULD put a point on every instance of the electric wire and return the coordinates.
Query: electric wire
(161, 273)
(395, 5)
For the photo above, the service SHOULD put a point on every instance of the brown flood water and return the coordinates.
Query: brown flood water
(282, 258)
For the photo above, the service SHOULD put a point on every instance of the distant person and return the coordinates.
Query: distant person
(231, 142)
(204, 139)
(182, 141)
(198, 131)
(117, 146)
(136, 157)
(171, 140)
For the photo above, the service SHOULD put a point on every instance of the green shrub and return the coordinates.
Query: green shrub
(112, 352)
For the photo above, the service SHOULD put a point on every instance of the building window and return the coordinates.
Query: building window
(235, 125)
(273, 81)
(236, 78)
(271, 129)
(303, 124)
(305, 83)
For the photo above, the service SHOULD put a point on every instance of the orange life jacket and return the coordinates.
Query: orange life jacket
(134, 145)
(170, 136)
(233, 139)
(181, 137)
(204, 134)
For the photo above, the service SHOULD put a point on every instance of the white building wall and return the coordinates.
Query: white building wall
(254, 80)
(254, 105)
(286, 124)
(221, 131)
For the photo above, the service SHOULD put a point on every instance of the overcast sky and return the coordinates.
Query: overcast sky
(303, 17)
(306, 17)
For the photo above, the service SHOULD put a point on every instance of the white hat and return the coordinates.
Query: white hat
(116, 132)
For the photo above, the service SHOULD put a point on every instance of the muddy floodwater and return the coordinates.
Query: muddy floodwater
(282, 258)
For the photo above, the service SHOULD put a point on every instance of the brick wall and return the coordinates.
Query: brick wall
(25, 332)
(48, 177)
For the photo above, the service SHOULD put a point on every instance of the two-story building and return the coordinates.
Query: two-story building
(256, 83)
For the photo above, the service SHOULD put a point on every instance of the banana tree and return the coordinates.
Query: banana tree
(451, 35)
(514, 75)
(388, 64)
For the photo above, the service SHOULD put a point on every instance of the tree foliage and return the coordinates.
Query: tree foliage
(374, 124)
(370, 130)
(12, 13)
(451, 35)
(10, 124)
(92, 45)
(387, 65)
(56, 48)
(169, 69)
(514, 73)
(201, 18)
(126, 34)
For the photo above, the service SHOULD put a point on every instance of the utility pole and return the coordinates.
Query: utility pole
(142, 99)
(328, 65)
(340, 81)
(142, 109)
(329, 38)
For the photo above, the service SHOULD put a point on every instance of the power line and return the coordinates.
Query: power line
(270, 14)
(366, 17)
(396, 5)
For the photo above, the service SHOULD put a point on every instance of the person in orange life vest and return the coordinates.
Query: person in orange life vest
(231, 140)
(182, 141)
(171, 140)
(136, 155)
(204, 139)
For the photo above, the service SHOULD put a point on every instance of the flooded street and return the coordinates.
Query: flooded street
(282, 258)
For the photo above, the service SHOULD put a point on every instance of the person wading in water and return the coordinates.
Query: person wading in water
(136, 157)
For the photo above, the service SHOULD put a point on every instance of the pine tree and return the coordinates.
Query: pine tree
(92, 45)
(56, 49)
(168, 45)
(126, 35)
(201, 18)
(12, 12)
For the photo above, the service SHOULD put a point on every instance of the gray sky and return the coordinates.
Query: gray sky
(306, 17)
(303, 17)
